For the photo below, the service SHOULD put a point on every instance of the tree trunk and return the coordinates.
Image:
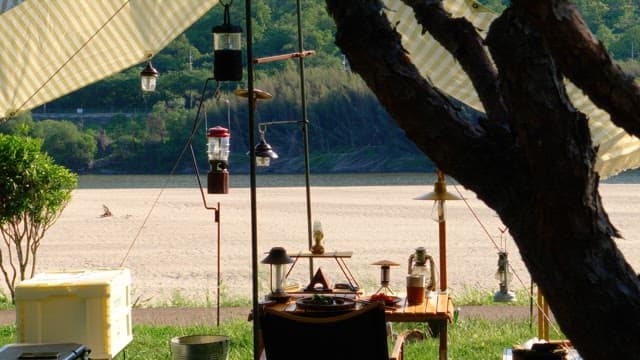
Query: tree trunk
(539, 179)
(584, 60)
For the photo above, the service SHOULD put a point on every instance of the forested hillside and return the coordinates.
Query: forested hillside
(112, 127)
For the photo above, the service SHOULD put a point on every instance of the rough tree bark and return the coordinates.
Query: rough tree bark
(535, 169)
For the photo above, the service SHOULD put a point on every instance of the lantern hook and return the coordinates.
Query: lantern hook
(227, 17)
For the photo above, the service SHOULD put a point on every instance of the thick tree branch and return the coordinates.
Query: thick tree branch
(462, 40)
(584, 60)
(430, 120)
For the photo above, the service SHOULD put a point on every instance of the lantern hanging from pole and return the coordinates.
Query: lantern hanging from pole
(440, 195)
(227, 53)
(148, 78)
(264, 151)
(218, 154)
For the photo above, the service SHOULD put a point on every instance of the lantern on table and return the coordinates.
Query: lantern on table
(218, 154)
(278, 259)
(421, 263)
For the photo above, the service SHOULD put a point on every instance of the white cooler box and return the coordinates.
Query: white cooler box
(89, 307)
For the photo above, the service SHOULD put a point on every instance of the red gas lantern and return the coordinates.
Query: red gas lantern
(218, 154)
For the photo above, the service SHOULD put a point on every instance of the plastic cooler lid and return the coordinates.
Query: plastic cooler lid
(83, 283)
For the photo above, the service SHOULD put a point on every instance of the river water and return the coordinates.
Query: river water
(272, 180)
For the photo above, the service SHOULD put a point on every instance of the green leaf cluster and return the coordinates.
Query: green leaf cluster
(31, 183)
(614, 22)
(348, 129)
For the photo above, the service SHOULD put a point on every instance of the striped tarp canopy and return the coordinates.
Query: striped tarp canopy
(618, 151)
(49, 48)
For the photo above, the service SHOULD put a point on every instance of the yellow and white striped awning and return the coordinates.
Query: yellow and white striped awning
(49, 48)
(617, 150)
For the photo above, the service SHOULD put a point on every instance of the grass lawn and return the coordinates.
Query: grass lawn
(468, 339)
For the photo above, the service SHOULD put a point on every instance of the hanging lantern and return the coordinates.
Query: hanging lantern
(227, 42)
(503, 275)
(440, 195)
(218, 154)
(264, 152)
(148, 78)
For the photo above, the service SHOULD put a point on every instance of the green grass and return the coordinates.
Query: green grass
(5, 302)
(468, 339)
(474, 296)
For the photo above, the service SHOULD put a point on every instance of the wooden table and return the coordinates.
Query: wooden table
(437, 307)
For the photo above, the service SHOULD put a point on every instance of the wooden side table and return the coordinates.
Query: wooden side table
(338, 256)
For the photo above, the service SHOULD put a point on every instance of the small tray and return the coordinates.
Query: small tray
(339, 304)
(393, 300)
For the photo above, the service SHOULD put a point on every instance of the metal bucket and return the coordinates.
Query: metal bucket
(200, 347)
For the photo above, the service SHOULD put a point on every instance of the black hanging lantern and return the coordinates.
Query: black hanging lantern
(227, 43)
(264, 152)
(148, 78)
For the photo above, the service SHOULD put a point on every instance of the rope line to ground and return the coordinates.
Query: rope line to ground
(495, 244)
(187, 146)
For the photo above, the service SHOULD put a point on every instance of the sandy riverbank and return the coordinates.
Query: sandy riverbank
(173, 237)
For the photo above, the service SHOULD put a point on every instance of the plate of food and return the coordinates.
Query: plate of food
(325, 303)
(388, 300)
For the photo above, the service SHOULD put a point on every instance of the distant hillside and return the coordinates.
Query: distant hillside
(121, 130)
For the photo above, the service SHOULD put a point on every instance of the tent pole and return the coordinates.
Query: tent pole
(252, 157)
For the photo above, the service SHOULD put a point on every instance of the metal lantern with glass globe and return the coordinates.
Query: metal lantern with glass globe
(278, 259)
(440, 195)
(218, 154)
(227, 42)
(504, 275)
(148, 78)
(264, 152)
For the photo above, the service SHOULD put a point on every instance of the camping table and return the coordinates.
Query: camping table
(438, 307)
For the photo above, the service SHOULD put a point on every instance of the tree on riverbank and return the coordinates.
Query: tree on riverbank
(530, 158)
(33, 193)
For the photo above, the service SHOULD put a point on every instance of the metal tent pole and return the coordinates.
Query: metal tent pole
(305, 134)
(252, 157)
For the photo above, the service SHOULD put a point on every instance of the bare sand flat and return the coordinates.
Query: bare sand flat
(172, 237)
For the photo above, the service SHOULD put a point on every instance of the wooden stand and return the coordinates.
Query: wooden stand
(339, 257)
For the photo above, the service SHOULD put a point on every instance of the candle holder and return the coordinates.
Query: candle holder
(318, 235)
(385, 275)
